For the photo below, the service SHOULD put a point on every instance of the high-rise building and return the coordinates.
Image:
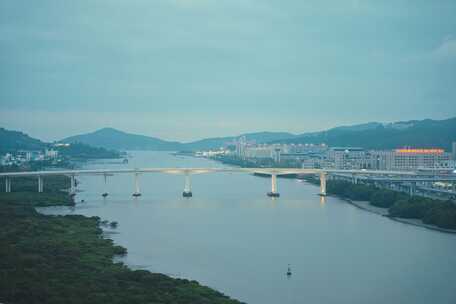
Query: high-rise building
(241, 145)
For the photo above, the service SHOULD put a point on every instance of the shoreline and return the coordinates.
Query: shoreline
(365, 205)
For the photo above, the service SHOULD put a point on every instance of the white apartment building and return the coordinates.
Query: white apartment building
(51, 153)
(410, 159)
(347, 157)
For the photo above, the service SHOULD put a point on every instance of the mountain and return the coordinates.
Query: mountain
(114, 139)
(371, 135)
(414, 133)
(13, 140)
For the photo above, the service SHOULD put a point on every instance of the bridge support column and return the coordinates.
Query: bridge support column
(354, 179)
(188, 186)
(273, 192)
(137, 192)
(7, 184)
(323, 184)
(105, 193)
(40, 184)
(72, 185)
(412, 188)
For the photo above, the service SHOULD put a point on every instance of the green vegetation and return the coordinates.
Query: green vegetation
(65, 259)
(435, 212)
(418, 133)
(25, 191)
(14, 140)
(439, 213)
(84, 151)
(255, 162)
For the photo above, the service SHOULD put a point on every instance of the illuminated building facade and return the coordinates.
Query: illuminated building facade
(410, 159)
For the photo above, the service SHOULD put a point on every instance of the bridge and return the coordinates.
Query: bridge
(187, 172)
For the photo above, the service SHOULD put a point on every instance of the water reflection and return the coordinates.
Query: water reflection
(322, 200)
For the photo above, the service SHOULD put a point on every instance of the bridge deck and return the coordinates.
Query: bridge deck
(271, 171)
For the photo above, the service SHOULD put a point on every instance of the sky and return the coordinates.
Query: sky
(190, 69)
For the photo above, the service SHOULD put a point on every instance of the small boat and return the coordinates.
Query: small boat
(289, 271)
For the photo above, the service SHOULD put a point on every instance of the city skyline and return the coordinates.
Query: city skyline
(186, 70)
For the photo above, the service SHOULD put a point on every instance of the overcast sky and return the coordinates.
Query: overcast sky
(189, 69)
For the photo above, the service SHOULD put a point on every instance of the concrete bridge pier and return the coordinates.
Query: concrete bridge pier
(323, 184)
(354, 179)
(273, 192)
(7, 184)
(412, 188)
(40, 184)
(137, 191)
(72, 185)
(188, 186)
(105, 193)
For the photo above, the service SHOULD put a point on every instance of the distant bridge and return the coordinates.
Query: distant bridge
(187, 172)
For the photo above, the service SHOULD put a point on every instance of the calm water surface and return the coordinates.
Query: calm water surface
(231, 237)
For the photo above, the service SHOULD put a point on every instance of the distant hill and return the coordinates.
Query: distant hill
(114, 139)
(372, 135)
(11, 141)
(84, 151)
(415, 133)
(258, 137)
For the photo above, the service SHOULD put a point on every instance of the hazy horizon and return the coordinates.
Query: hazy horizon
(191, 69)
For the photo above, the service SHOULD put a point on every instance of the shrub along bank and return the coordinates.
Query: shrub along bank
(430, 211)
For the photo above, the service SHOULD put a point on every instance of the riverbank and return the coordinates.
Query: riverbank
(68, 259)
(365, 205)
(414, 210)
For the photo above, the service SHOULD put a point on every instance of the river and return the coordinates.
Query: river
(232, 237)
